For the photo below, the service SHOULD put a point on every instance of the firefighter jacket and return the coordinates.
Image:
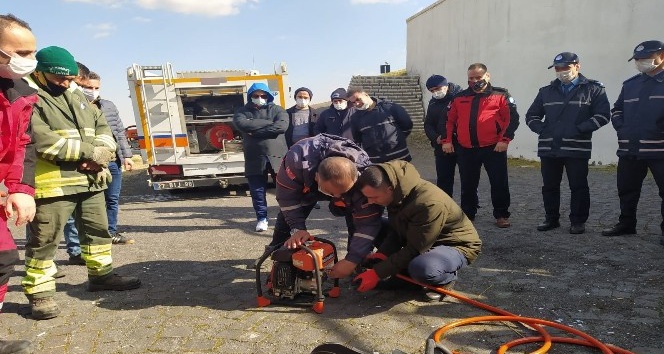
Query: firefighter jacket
(436, 119)
(482, 119)
(566, 122)
(17, 153)
(421, 216)
(638, 117)
(66, 128)
(382, 131)
(297, 187)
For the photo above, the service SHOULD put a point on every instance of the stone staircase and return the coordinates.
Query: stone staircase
(403, 90)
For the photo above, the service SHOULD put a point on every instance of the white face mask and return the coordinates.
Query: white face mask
(645, 65)
(91, 94)
(365, 103)
(302, 102)
(440, 93)
(259, 101)
(340, 106)
(17, 67)
(565, 76)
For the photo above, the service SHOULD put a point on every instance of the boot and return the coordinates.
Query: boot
(15, 347)
(113, 282)
(433, 296)
(44, 308)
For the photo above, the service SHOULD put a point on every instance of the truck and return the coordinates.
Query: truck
(184, 122)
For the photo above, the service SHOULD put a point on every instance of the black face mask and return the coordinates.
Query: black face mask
(477, 85)
(54, 89)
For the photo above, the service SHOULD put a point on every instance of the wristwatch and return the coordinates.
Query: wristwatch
(293, 231)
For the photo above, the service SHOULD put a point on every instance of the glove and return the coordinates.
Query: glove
(368, 280)
(102, 155)
(372, 259)
(103, 177)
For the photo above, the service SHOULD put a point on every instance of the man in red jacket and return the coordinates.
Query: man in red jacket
(17, 155)
(484, 118)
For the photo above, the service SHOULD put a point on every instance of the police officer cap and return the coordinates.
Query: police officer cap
(645, 49)
(564, 59)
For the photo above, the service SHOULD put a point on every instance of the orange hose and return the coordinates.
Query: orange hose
(534, 323)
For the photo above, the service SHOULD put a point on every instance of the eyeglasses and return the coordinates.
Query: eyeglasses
(258, 96)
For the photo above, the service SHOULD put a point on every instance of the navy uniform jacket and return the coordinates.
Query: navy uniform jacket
(565, 123)
(638, 117)
(435, 122)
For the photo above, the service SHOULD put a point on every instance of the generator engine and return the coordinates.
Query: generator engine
(298, 272)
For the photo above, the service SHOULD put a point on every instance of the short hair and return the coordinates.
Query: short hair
(10, 20)
(477, 66)
(353, 90)
(336, 169)
(93, 76)
(83, 70)
(374, 177)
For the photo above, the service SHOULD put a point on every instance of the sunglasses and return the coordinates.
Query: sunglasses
(258, 96)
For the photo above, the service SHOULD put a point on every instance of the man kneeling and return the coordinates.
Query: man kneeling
(429, 236)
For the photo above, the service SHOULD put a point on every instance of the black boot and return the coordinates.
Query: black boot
(113, 282)
(548, 224)
(619, 230)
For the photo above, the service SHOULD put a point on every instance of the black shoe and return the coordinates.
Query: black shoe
(619, 230)
(15, 347)
(76, 260)
(433, 296)
(576, 229)
(547, 225)
(113, 282)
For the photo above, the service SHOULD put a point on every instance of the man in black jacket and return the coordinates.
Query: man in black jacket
(565, 114)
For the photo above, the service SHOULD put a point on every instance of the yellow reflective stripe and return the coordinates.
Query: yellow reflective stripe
(98, 258)
(68, 133)
(39, 276)
(89, 131)
(52, 151)
(73, 150)
(107, 140)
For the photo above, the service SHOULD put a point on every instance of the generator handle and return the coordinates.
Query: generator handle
(317, 272)
(334, 250)
(259, 263)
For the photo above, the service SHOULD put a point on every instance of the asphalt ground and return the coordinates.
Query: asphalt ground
(192, 250)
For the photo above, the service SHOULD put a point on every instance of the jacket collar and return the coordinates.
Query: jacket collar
(15, 89)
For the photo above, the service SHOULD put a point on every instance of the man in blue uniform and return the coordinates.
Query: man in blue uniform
(565, 114)
(638, 117)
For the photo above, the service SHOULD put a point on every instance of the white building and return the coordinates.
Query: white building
(518, 39)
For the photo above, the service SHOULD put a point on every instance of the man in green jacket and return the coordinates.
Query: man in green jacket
(429, 236)
(74, 145)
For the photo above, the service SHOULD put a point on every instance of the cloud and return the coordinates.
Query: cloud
(196, 7)
(371, 2)
(108, 3)
(101, 30)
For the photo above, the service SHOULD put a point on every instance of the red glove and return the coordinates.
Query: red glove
(368, 280)
(372, 259)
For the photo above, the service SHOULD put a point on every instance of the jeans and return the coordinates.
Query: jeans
(437, 266)
(577, 176)
(112, 196)
(470, 166)
(257, 187)
(71, 237)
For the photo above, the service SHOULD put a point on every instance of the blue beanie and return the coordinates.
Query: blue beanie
(436, 81)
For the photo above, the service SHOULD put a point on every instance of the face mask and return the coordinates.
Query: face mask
(645, 65)
(259, 101)
(477, 85)
(302, 102)
(365, 104)
(91, 94)
(439, 94)
(55, 90)
(340, 106)
(17, 67)
(565, 76)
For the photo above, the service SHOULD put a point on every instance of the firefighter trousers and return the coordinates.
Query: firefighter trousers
(47, 230)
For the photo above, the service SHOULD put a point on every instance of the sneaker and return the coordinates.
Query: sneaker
(120, 239)
(76, 260)
(261, 225)
(113, 282)
(434, 296)
(15, 347)
(503, 223)
(44, 308)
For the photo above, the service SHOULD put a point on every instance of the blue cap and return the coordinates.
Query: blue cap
(436, 81)
(564, 59)
(645, 49)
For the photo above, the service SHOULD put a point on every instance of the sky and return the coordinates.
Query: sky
(323, 42)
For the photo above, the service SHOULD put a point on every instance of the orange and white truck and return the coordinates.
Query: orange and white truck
(184, 122)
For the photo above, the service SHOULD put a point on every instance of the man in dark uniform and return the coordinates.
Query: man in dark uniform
(565, 114)
(638, 117)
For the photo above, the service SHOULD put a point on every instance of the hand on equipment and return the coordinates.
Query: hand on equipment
(368, 280)
(342, 269)
(298, 239)
(372, 259)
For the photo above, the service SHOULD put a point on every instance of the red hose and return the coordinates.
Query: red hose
(533, 323)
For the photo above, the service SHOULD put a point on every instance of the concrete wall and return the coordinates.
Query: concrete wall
(518, 39)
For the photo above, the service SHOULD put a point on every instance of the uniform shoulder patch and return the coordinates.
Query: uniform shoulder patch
(596, 82)
(512, 100)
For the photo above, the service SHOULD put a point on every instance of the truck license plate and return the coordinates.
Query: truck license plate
(174, 185)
